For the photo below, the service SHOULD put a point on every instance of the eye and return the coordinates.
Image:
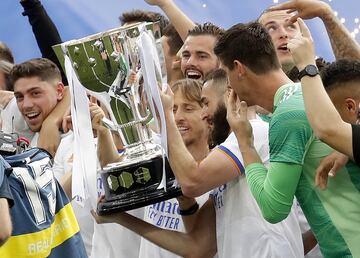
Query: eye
(271, 28)
(185, 55)
(18, 98)
(35, 93)
(292, 27)
(203, 56)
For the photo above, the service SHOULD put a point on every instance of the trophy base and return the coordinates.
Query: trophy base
(134, 202)
(135, 185)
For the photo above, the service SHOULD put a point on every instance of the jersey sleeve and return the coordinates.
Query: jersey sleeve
(273, 189)
(4, 187)
(231, 147)
(289, 135)
(356, 143)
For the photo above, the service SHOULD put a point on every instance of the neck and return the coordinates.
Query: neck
(199, 150)
(266, 86)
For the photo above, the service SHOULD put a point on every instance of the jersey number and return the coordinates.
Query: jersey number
(42, 182)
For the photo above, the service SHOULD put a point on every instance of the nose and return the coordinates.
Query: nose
(178, 116)
(191, 61)
(27, 102)
(283, 32)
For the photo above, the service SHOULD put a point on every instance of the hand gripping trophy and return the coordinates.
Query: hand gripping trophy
(103, 64)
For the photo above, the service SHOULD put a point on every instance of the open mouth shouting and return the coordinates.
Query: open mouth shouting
(193, 74)
(283, 48)
(32, 116)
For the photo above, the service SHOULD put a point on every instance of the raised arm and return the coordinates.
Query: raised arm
(343, 45)
(49, 137)
(322, 114)
(181, 22)
(45, 31)
(195, 178)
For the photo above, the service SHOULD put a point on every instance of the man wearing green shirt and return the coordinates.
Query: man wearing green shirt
(255, 76)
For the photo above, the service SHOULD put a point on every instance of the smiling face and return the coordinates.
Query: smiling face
(198, 58)
(36, 99)
(281, 31)
(188, 119)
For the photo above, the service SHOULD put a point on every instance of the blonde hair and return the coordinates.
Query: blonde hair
(190, 88)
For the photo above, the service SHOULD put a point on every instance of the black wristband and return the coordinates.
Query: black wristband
(189, 211)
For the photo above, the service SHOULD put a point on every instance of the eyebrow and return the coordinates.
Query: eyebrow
(201, 52)
(269, 23)
(29, 90)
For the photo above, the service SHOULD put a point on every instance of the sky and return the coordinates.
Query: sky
(79, 18)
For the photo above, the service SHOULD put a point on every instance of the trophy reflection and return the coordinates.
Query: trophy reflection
(109, 66)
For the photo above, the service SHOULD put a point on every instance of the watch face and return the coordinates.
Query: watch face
(311, 70)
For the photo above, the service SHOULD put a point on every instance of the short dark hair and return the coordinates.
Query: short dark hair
(43, 68)
(190, 88)
(206, 28)
(174, 40)
(216, 75)
(340, 72)
(5, 53)
(219, 78)
(251, 45)
(144, 16)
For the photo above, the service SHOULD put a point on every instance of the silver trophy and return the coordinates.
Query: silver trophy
(103, 63)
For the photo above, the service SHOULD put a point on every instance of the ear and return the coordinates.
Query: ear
(60, 90)
(240, 68)
(351, 106)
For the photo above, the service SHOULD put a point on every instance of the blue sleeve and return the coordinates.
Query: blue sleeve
(5, 191)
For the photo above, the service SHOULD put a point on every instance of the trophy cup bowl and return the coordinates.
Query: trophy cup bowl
(102, 63)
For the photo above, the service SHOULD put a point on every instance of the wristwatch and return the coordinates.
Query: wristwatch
(309, 70)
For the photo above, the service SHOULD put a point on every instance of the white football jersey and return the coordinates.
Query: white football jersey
(241, 229)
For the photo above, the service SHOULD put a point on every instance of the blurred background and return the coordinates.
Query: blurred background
(79, 18)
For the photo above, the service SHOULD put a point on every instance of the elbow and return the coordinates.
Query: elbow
(4, 235)
(189, 191)
(192, 189)
(324, 134)
(273, 218)
(325, 131)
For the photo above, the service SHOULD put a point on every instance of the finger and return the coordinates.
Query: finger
(93, 100)
(232, 100)
(291, 11)
(283, 6)
(243, 110)
(323, 181)
(66, 123)
(294, 18)
(321, 174)
(321, 177)
(335, 169)
(304, 29)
